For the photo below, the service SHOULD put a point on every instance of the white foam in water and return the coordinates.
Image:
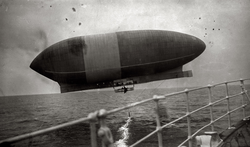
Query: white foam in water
(124, 130)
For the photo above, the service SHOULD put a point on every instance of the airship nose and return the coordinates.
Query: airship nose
(37, 64)
(61, 57)
(199, 46)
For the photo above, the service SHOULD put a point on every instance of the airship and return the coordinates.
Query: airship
(119, 60)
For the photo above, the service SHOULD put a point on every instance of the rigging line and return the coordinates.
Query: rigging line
(91, 95)
(88, 93)
(141, 92)
(105, 94)
(159, 84)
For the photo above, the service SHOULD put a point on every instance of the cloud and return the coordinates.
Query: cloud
(16, 78)
(20, 43)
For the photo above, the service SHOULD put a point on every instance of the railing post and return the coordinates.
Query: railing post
(92, 123)
(243, 93)
(188, 120)
(104, 132)
(211, 106)
(158, 121)
(228, 107)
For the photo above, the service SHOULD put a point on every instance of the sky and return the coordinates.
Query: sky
(27, 27)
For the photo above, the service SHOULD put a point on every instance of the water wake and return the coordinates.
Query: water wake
(124, 130)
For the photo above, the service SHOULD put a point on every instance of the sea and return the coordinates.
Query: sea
(28, 113)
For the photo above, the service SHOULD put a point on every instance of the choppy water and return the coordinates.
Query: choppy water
(23, 114)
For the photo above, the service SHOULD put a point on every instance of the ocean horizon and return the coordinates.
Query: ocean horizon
(28, 113)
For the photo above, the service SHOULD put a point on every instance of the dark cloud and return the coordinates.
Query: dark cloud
(34, 40)
(186, 3)
(41, 39)
(4, 5)
(19, 33)
(1, 92)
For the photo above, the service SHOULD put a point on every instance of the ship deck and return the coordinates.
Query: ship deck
(238, 135)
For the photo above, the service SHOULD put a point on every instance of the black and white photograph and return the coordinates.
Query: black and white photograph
(131, 73)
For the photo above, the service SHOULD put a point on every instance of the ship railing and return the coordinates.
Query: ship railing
(105, 134)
